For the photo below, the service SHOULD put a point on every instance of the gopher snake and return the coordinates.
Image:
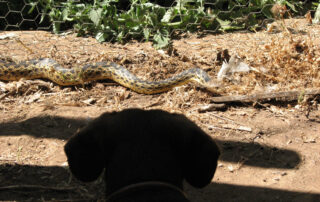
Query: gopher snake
(49, 69)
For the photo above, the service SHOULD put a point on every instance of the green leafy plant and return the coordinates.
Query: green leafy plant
(149, 21)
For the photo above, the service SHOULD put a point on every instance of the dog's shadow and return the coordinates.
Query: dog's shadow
(15, 176)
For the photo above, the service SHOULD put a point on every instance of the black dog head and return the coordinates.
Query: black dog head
(136, 146)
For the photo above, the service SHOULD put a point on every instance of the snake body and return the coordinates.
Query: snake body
(49, 69)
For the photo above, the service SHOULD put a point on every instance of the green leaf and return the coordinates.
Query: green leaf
(146, 33)
(65, 14)
(33, 5)
(291, 6)
(167, 16)
(227, 25)
(95, 16)
(161, 39)
(101, 37)
(56, 27)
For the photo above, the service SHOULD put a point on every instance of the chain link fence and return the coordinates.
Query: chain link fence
(113, 20)
(18, 15)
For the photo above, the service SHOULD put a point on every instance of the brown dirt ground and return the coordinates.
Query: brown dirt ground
(275, 158)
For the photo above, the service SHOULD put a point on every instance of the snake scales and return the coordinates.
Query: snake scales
(49, 69)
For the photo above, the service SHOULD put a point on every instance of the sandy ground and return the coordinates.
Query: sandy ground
(271, 151)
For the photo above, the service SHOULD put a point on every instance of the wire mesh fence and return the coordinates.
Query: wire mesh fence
(120, 20)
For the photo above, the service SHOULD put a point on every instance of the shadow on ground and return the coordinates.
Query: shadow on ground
(35, 183)
(56, 183)
(251, 154)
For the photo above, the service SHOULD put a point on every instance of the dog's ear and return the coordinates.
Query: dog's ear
(86, 150)
(200, 155)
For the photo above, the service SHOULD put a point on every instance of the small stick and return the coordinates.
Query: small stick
(241, 128)
(225, 119)
(36, 187)
(20, 42)
(212, 107)
(285, 96)
(228, 126)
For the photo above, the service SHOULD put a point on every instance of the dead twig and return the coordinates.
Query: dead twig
(212, 107)
(225, 119)
(283, 96)
(3, 96)
(241, 128)
(26, 47)
(236, 126)
(27, 186)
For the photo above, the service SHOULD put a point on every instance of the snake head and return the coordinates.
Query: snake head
(200, 76)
